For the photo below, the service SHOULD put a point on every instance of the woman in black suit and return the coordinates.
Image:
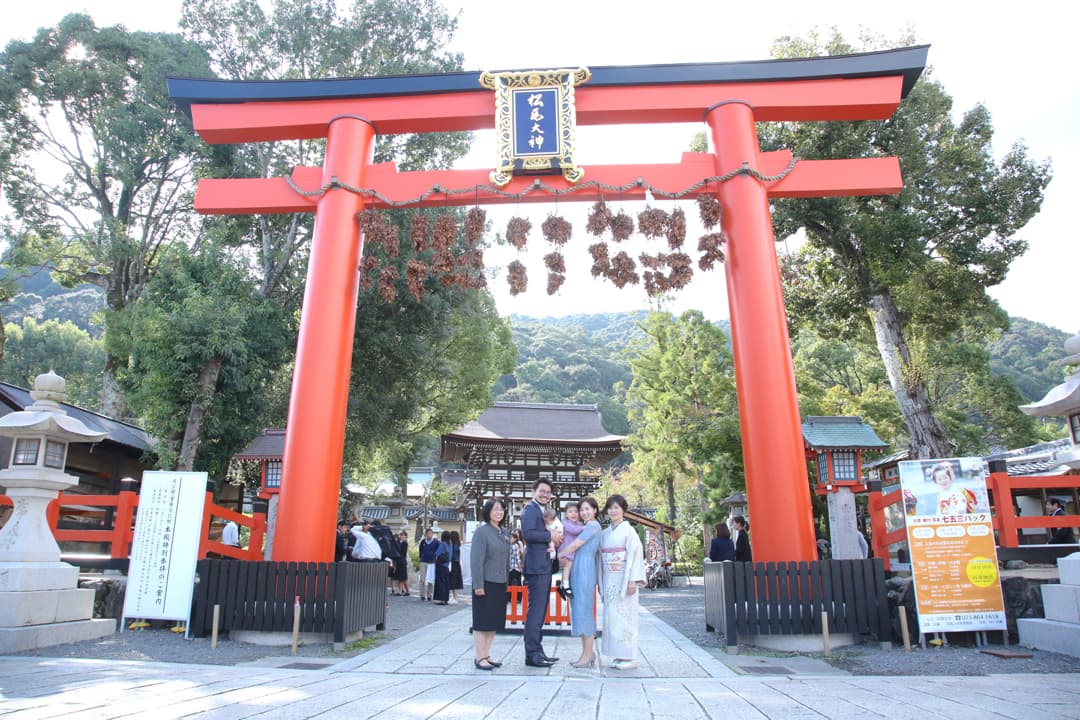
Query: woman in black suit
(489, 560)
(742, 539)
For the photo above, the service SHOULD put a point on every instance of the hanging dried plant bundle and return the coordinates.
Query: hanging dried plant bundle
(601, 262)
(676, 229)
(555, 281)
(623, 271)
(379, 232)
(710, 246)
(419, 233)
(367, 267)
(656, 281)
(388, 284)
(517, 232)
(517, 278)
(682, 271)
(555, 262)
(444, 233)
(474, 226)
(622, 227)
(709, 207)
(556, 230)
(599, 219)
(415, 273)
(470, 272)
(442, 264)
(652, 222)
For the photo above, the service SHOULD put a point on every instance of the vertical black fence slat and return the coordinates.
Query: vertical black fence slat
(281, 580)
(837, 618)
(816, 597)
(806, 609)
(760, 600)
(773, 626)
(851, 596)
(198, 610)
(731, 603)
(262, 597)
(826, 590)
(863, 589)
(783, 596)
(881, 601)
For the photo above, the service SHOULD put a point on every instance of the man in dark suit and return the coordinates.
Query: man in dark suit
(742, 539)
(1059, 536)
(537, 573)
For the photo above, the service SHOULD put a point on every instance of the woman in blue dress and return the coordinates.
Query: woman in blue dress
(584, 575)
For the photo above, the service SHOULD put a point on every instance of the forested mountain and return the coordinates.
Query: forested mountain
(1031, 354)
(42, 298)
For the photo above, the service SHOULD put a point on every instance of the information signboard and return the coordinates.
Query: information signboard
(951, 541)
(161, 574)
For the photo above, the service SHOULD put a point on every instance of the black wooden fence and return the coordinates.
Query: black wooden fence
(788, 598)
(338, 598)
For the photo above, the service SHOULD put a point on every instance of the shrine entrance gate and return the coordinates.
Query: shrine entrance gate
(730, 97)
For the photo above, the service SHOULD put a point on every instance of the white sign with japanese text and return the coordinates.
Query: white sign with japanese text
(161, 575)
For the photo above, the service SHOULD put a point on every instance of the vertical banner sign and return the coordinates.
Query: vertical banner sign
(951, 540)
(161, 575)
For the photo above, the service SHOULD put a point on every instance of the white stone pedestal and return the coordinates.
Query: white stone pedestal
(40, 606)
(1060, 630)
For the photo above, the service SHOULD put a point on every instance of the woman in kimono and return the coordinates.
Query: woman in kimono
(583, 576)
(623, 572)
(442, 569)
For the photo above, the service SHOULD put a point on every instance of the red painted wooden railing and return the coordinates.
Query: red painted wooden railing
(118, 538)
(1006, 522)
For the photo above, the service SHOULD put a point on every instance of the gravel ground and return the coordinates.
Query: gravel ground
(158, 643)
(684, 609)
(681, 607)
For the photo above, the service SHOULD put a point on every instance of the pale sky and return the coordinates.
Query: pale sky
(1019, 64)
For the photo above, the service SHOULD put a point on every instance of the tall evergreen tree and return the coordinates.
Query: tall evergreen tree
(911, 268)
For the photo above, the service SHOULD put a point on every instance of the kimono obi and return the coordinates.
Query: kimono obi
(614, 558)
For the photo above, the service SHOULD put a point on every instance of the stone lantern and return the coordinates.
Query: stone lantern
(40, 603)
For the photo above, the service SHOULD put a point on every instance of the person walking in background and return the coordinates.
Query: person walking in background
(489, 559)
(442, 569)
(583, 577)
(401, 567)
(429, 547)
(622, 562)
(1059, 536)
(456, 581)
(230, 534)
(537, 573)
(742, 539)
(342, 541)
(721, 548)
(517, 555)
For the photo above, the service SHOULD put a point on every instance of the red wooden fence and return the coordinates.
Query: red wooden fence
(1007, 524)
(118, 537)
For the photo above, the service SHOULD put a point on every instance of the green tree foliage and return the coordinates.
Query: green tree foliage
(96, 160)
(205, 347)
(34, 348)
(1031, 355)
(913, 267)
(576, 359)
(682, 408)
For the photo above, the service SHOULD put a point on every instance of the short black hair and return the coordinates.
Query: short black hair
(343, 521)
(543, 481)
(485, 512)
(616, 500)
(1055, 502)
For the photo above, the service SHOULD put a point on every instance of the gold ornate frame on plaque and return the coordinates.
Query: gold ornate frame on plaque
(518, 155)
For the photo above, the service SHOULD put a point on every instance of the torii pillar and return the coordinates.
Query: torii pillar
(732, 96)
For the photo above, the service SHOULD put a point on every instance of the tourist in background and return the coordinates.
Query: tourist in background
(488, 561)
(623, 565)
(456, 581)
(429, 547)
(721, 548)
(517, 555)
(401, 567)
(741, 527)
(1059, 536)
(442, 569)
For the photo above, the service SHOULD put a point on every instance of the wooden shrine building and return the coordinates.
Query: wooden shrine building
(512, 445)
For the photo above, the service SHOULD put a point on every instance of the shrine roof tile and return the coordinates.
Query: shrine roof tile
(832, 433)
(525, 422)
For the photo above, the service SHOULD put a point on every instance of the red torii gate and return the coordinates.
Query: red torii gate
(731, 97)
